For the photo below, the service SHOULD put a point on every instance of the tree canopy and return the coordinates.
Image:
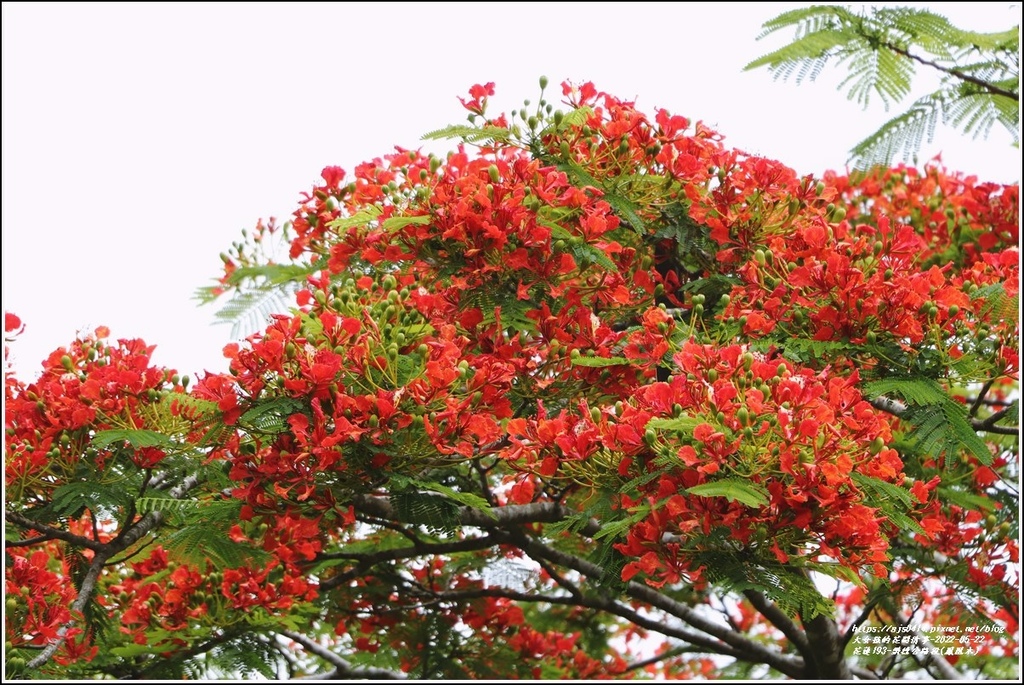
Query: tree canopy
(592, 395)
(881, 51)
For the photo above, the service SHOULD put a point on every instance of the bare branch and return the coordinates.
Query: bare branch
(898, 409)
(980, 399)
(780, 620)
(513, 514)
(103, 552)
(342, 668)
(826, 649)
(990, 88)
(77, 607)
(735, 644)
(50, 533)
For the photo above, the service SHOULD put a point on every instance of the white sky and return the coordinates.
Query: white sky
(139, 139)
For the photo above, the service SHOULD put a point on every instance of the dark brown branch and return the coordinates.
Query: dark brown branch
(926, 658)
(980, 399)
(826, 649)
(735, 645)
(561, 580)
(898, 409)
(515, 595)
(122, 542)
(342, 668)
(780, 620)
(667, 654)
(988, 424)
(511, 515)
(50, 533)
(27, 542)
(990, 88)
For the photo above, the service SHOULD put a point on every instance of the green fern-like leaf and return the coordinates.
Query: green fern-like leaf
(270, 417)
(436, 513)
(627, 210)
(794, 593)
(599, 362)
(396, 223)
(102, 498)
(913, 390)
(467, 499)
(943, 431)
(804, 350)
(938, 424)
(200, 541)
(504, 301)
(360, 218)
(881, 51)
(249, 311)
(680, 424)
(902, 135)
(470, 134)
(136, 438)
(891, 500)
(733, 489)
(963, 498)
(585, 253)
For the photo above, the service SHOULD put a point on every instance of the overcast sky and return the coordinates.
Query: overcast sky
(139, 139)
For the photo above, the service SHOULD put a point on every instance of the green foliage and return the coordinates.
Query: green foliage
(891, 500)
(470, 134)
(793, 592)
(102, 498)
(258, 292)
(468, 499)
(270, 417)
(200, 542)
(599, 362)
(938, 424)
(135, 438)
(881, 51)
(734, 490)
(436, 513)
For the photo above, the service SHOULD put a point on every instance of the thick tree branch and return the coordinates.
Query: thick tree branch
(826, 649)
(104, 552)
(780, 620)
(741, 646)
(367, 561)
(50, 533)
(511, 515)
(342, 668)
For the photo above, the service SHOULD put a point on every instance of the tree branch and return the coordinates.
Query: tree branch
(77, 607)
(50, 533)
(342, 668)
(736, 645)
(991, 88)
(980, 399)
(510, 515)
(826, 649)
(781, 621)
(367, 561)
(103, 553)
(926, 658)
(898, 409)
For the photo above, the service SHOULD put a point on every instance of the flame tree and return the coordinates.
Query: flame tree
(593, 395)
